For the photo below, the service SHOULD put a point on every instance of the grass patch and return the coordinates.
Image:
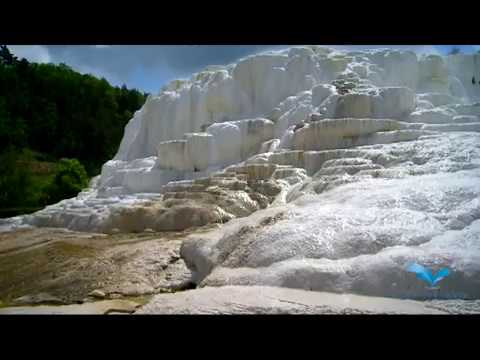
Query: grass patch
(29, 181)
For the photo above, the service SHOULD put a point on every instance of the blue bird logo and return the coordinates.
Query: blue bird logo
(426, 275)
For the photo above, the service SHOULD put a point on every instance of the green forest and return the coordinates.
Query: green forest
(57, 128)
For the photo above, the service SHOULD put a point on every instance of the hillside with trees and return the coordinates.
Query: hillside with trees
(57, 128)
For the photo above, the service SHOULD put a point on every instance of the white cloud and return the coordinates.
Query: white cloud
(419, 49)
(98, 73)
(33, 53)
(425, 49)
(102, 46)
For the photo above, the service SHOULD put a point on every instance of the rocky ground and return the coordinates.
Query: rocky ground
(275, 300)
(230, 300)
(103, 307)
(55, 266)
(54, 271)
(322, 171)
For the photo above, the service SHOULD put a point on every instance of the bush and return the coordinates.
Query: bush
(69, 180)
(15, 181)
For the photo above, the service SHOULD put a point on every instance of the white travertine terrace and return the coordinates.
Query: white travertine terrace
(276, 102)
(222, 115)
(378, 152)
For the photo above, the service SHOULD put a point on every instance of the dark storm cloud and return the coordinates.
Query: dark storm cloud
(188, 58)
(148, 67)
(123, 63)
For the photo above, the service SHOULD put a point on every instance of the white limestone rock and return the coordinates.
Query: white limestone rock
(372, 157)
(431, 116)
(424, 105)
(437, 99)
(200, 150)
(463, 68)
(463, 119)
(359, 236)
(269, 109)
(353, 105)
(338, 133)
(235, 141)
(433, 75)
(466, 109)
(321, 92)
(393, 103)
(269, 146)
(396, 68)
(275, 300)
(171, 155)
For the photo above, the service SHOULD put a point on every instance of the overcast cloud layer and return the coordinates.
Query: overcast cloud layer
(148, 67)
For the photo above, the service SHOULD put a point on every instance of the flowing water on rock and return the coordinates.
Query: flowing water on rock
(372, 157)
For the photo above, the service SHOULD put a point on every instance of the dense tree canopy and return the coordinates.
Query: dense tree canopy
(55, 112)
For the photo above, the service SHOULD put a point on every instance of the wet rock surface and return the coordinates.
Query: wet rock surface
(54, 266)
(354, 231)
(315, 169)
(41, 298)
(272, 300)
(105, 307)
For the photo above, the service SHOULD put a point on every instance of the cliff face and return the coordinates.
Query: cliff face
(302, 99)
(372, 155)
(222, 115)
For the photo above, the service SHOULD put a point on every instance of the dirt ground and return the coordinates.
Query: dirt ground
(69, 265)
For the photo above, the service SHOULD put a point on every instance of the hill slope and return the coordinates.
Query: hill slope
(54, 112)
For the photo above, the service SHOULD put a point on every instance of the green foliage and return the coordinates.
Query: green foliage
(27, 182)
(69, 180)
(15, 181)
(12, 130)
(6, 57)
(49, 112)
(55, 110)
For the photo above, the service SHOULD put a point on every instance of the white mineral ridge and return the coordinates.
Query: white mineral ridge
(389, 146)
(222, 115)
(273, 300)
(420, 203)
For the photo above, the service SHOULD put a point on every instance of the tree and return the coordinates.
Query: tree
(23, 65)
(6, 57)
(70, 179)
(15, 181)
(55, 112)
(12, 131)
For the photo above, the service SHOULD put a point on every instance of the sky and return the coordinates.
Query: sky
(149, 67)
